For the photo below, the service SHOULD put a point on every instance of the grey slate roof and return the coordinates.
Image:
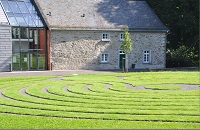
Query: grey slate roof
(99, 14)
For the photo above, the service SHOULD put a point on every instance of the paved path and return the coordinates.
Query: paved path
(70, 72)
(52, 73)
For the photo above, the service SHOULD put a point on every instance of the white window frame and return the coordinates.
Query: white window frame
(121, 37)
(105, 59)
(105, 37)
(146, 56)
(121, 52)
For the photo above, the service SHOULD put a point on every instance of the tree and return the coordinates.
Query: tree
(127, 45)
(182, 19)
(181, 57)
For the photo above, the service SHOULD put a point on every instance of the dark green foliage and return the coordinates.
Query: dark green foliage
(182, 57)
(182, 19)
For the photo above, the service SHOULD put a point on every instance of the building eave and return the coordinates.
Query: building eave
(164, 30)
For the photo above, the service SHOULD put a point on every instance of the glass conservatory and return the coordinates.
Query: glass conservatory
(29, 33)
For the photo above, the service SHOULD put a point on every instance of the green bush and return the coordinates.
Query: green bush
(182, 57)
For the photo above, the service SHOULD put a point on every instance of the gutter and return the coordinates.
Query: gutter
(109, 29)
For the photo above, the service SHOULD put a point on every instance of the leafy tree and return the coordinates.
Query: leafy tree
(182, 19)
(181, 57)
(127, 45)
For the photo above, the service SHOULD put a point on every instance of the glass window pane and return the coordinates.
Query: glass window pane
(16, 46)
(106, 57)
(102, 57)
(6, 6)
(40, 24)
(22, 13)
(36, 37)
(15, 33)
(14, 6)
(24, 33)
(29, 20)
(37, 20)
(20, 20)
(34, 16)
(30, 7)
(12, 19)
(22, 7)
(16, 61)
(30, 33)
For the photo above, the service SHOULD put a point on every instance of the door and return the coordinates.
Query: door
(33, 61)
(41, 62)
(24, 61)
(122, 61)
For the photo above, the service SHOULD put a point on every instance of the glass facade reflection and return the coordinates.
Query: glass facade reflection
(21, 13)
(28, 35)
(29, 48)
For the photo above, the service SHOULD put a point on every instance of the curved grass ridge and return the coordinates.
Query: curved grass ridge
(106, 97)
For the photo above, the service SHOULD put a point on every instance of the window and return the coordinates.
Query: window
(105, 37)
(15, 33)
(147, 57)
(121, 36)
(121, 52)
(21, 13)
(105, 58)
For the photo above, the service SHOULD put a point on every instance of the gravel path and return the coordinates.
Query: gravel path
(56, 79)
(45, 90)
(108, 87)
(52, 73)
(140, 88)
(121, 77)
(190, 87)
(1, 95)
(129, 86)
(184, 87)
(87, 87)
(66, 88)
(23, 92)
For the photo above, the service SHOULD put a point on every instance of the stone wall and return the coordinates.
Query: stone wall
(5, 48)
(76, 50)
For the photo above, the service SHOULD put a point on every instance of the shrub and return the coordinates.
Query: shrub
(182, 57)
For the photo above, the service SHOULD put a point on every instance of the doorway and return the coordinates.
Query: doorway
(24, 61)
(28, 61)
(29, 49)
(122, 57)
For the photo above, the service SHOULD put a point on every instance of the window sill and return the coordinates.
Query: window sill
(106, 40)
(104, 62)
(146, 63)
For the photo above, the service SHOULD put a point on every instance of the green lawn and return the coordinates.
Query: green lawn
(102, 101)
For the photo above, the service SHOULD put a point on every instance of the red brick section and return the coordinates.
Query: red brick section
(42, 41)
(49, 49)
(45, 45)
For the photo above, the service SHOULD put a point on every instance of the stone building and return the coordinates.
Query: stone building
(81, 34)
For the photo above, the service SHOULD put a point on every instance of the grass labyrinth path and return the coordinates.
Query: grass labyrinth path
(134, 100)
